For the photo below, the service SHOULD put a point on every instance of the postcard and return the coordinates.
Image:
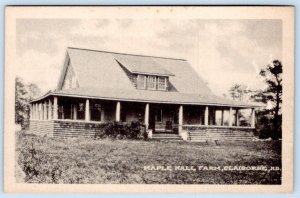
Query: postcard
(149, 99)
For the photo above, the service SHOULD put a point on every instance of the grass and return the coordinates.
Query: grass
(79, 160)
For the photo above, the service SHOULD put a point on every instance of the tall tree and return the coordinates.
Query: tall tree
(21, 100)
(33, 91)
(273, 93)
(23, 94)
(239, 92)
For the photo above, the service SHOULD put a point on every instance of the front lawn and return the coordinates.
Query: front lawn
(79, 160)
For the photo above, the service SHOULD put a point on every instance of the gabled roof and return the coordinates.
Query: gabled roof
(100, 76)
(100, 69)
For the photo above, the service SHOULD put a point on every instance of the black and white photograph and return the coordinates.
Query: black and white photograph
(149, 96)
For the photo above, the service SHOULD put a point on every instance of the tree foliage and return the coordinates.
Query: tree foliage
(239, 92)
(273, 78)
(272, 95)
(23, 94)
(268, 119)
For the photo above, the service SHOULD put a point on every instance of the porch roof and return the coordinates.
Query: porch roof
(148, 96)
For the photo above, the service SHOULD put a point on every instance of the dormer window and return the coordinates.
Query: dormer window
(145, 74)
(151, 82)
(161, 83)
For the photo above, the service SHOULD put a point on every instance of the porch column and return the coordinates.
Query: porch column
(230, 116)
(206, 116)
(55, 115)
(237, 118)
(75, 112)
(222, 117)
(35, 111)
(118, 111)
(253, 118)
(180, 117)
(30, 111)
(87, 110)
(41, 111)
(146, 116)
(49, 110)
(45, 110)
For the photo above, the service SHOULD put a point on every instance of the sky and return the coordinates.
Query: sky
(222, 52)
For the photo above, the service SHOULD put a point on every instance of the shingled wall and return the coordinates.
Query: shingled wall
(42, 127)
(63, 128)
(213, 133)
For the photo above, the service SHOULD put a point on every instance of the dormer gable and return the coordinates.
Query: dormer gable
(145, 74)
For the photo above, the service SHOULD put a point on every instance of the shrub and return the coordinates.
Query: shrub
(38, 166)
(265, 127)
(119, 130)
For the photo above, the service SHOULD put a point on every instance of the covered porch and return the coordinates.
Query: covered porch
(180, 119)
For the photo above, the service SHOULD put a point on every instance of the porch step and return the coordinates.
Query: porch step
(163, 130)
(166, 136)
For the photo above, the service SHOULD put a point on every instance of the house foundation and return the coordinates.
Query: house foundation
(65, 128)
(217, 133)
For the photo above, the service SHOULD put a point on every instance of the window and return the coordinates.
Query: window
(66, 110)
(218, 117)
(61, 112)
(96, 111)
(233, 118)
(161, 84)
(226, 118)
(151, 82)
(81, 111)
(141, 82)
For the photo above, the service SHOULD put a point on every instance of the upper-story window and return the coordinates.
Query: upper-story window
(161, 83)
(150, 82)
